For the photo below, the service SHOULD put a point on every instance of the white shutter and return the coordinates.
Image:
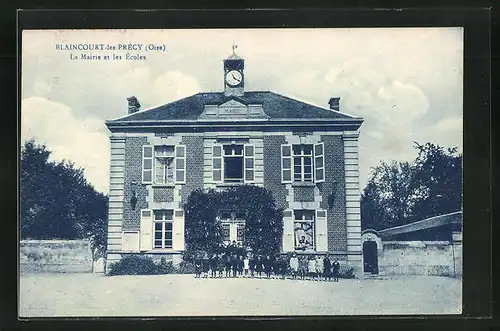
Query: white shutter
(321, 231)
(249, 165)
(147, 164)
(288, 231)
(319, 163)
(180, 164)
(286, 163)
(146, 242)
(217, 164)
(130, 241)
(178, 230)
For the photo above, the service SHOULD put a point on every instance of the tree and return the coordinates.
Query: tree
(263, 221)
(401, 192)
(439, 172)
(56, 201)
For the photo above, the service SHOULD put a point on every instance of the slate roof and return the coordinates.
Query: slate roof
(276, 106)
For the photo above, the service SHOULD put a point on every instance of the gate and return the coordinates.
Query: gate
(370, 257)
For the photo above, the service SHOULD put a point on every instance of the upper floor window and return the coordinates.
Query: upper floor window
(164, 164)
(302, 163)
(233, 163)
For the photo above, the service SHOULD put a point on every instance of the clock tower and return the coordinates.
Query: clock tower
(234, 79)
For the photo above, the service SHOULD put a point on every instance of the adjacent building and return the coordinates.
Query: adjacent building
(306, 155)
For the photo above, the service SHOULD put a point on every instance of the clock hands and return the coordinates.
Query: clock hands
(238, 80)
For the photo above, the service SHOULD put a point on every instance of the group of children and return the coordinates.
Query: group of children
(313, 268)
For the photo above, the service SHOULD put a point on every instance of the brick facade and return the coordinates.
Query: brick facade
(194, 165)
(272, 169)
(303, 194)
(163, 194)
(334, 172)
(133, 172)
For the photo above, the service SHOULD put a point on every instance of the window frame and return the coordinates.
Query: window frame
(304, 220)
(163, 230)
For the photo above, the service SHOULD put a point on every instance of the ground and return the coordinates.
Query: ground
(183, 295)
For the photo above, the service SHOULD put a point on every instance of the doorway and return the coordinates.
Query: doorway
(370, 257)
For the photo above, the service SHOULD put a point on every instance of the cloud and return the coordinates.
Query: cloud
(405, 82)
(174, 85)
(83, 142)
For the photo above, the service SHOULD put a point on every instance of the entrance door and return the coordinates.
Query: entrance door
(233, 231)
(370, 257)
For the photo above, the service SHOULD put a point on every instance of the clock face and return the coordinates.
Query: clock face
(234, 78)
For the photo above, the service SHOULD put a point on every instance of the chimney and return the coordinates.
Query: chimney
(133, 105)
(334, 103)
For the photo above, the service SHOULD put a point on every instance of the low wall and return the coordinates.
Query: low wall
(431, 258)
(55, 256)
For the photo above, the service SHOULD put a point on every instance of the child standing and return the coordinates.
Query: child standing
(213, 266)
(258, 266)
(336, 270)
(240, 266)
(220, 265)
(319, 267)
(234, 264)
(303, 267)
(268, 264)
(294, 265)
(246, 265)
(311, 266)
(227, 261)
(197, 267)
(206, 265)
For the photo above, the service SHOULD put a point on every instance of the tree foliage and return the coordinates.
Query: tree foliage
(263, 221)
(401, 192)
(57, 202)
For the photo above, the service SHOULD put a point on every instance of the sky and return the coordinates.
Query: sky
(407, 83)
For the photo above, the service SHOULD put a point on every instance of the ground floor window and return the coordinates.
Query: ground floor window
(304, 230)
(163, 226)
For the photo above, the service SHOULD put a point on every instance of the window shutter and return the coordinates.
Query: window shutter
(180, 164)
(321, 231)
(288, 231)
(146, 241)
(286, 163)
(249, 165)
(319, 162)
(178, 230)
(217, 163)
(147, 164)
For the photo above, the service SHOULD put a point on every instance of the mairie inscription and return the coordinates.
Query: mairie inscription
(233, 109)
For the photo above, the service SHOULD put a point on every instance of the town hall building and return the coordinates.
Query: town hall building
(306, 155)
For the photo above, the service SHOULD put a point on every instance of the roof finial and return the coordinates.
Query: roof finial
(234, 47)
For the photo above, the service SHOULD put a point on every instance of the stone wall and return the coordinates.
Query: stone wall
(433, 258)
(38, 256)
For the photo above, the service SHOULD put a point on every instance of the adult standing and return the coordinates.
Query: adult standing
(328, 268)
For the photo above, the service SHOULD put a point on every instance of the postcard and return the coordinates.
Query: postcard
(241, 172)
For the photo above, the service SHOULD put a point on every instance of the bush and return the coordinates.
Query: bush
(347, 273)
(186, 267)
(140, 265)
